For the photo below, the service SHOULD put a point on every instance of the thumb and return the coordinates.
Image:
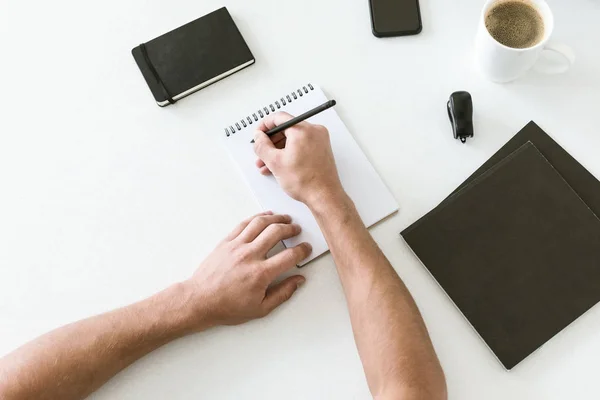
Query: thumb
(263, 146)
(281, 292)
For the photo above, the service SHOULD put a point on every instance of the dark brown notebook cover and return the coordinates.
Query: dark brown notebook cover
(579, 178)
(517, 251)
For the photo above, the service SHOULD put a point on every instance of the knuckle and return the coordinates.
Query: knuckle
(291, 257)
(293, 230)
(247, 221)
(321, 131)
(276, 229)
(283, 218)
(239, 258)
(298, 253)
(282, 229)
(286, 229)
(242, 255)
(227, 245)
(242, 223)
(305, 131)
(263, 220)
(250, 220)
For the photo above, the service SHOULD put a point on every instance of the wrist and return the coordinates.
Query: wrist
(326, 198)
(182, 310)
(329, 203)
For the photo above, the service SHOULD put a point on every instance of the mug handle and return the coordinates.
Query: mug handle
(564, 51)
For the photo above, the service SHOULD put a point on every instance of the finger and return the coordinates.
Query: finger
(258, 224)
(242, 225)
(262, 168)
(274, 234)
(280, 293)
(288, 259)
(263, 147)
(273, 120)
(265, 171)
(278, 137)
(281, 144)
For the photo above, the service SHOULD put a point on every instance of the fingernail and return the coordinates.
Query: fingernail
(300, 283)
(287, 218)
(308, 246)
(268, 212)
(297, 227)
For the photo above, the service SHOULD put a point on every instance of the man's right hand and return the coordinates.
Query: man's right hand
(300, 158)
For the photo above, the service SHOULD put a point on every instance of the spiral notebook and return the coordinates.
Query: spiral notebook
(372, 198)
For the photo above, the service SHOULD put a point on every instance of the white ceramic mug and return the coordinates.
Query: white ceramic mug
(501, 63)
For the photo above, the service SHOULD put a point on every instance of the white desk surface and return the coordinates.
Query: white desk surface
(106, 198)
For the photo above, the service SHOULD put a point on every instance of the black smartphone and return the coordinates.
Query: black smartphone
(395, 17)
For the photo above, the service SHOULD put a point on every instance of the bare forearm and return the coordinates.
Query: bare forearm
(234, 284)
(391, 337)
(73, 361)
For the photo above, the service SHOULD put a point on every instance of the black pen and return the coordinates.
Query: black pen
(299, 118)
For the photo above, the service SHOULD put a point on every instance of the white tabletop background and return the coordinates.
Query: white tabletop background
(107, 198)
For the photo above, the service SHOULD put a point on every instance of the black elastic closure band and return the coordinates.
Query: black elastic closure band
(156, 76)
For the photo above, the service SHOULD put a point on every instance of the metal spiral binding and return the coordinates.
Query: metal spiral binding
(276, 105)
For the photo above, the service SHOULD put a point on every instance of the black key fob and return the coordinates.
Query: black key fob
(460, 112)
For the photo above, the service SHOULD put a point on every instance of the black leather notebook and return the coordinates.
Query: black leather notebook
(516, 249)
(192, 56)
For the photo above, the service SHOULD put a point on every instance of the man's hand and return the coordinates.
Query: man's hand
(234, 284)
(392, 340)
(300, 158)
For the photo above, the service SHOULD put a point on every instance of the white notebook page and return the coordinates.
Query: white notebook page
(372, 198)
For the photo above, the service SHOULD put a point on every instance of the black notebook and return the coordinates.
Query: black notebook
(516, 248)
(192, 56)
(580, 179)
